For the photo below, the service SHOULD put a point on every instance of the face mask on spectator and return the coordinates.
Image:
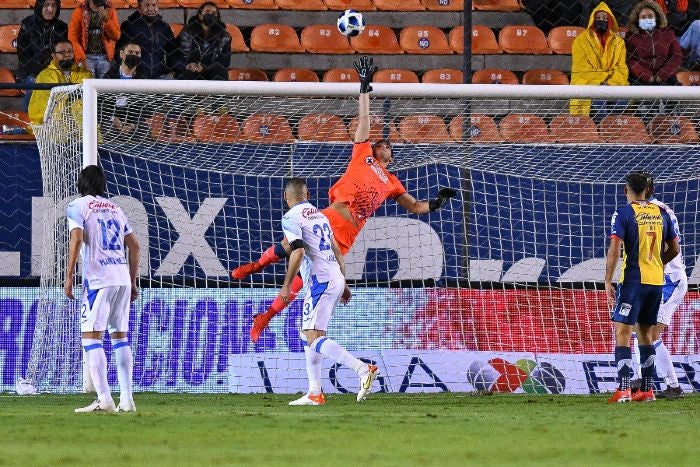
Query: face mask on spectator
(132, 60)
(209, 19)
(601, 25)
(65, 64)
(647, 23)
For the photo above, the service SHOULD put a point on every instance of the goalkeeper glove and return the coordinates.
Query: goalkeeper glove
(443, 195)
(365, 68)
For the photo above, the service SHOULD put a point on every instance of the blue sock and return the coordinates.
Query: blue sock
(647, 355)
(623, 358)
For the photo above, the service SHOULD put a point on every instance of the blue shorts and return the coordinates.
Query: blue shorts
(637, 303)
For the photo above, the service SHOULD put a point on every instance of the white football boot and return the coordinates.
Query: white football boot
(366, 382)
(98, 406)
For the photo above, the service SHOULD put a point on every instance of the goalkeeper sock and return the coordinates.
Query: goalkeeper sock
(98, 368)
(125, 366)
(635, 357)
(647, 356)
(278, 305)
(623, 358)
(337, 353)
(313, 367)
(664, 364)
(272, 255)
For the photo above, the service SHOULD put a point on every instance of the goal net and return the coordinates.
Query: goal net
(500, 290)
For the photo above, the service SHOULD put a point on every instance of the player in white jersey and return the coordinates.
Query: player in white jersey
(316, 253)
(674, 290)
(99, 232)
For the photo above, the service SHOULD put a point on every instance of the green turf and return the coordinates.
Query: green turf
(387, 429)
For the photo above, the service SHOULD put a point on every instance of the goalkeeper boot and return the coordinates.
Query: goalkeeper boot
(621, 395)
(98, 406)
(245, 270)
(366, 382)
(644, 396)
(260, 322)
(670, 393)
(308, 399)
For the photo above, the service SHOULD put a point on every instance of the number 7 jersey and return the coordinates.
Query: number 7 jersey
(305, 222)
(104, 226)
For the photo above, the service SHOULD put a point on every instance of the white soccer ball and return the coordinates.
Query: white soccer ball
(351, 23)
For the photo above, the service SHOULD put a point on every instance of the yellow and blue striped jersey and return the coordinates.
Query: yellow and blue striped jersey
(643, 228)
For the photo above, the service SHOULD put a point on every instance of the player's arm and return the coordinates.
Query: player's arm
(610, 264)
(134, 251)
(673, 248)
(295, 259)
(76, 240)
(414, 206)
(345, 298)
(365, 69)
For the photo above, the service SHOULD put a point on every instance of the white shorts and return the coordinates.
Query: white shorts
(319, 303)
(106, 308)
(673, 294)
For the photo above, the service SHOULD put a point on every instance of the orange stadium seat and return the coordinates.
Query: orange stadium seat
(216, 129)
(672, 129)
(7, 77)
(377, 129)
(296, 74)
(627, 129)
(341, 75)
(237, 42)
(395, 75)
(69, 4)
(497, 5)
(423, 129)
(14, 4)
(561, 38)
(688, 78)
(524, 128)
(523, 40)
(622, 31)
(482, 129)
(545, 76)
(376, 39)
(443, 5)
(253, 4)
(123, 4)
(301, 5)
(574, 129)
(161, 3)
(267, 128)
(8, 37)
(399, 5)
(271, 37)
(424, 40)
(15, 119)
(246, 74)
(176, 28)
(324, 39)
(483, 40)
(359, 5)
(170, 129)
(198, 3)
(322, 127)
(443, 76)
(494, 76)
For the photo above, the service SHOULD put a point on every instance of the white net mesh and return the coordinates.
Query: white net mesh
(501, 289)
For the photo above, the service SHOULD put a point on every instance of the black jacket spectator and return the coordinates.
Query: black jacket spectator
(211, 51)
(36, 38)
(159, 54)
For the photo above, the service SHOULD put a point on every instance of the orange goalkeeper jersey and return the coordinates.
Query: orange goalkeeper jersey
(365, 184)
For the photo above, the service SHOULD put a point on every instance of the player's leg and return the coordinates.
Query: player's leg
(95, 310)
(650, 300)
(636, 381)
(673, 295)
(271, 255)
(261, 320)
(314, 395)
(624, 318)
(118, 327)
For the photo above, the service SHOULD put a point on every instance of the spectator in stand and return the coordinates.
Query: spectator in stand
(94, 31)
(159, 54)
(618, 8)
(115, 111)
(653, 52)
(62, 69)
(690, 43)
(206, 45)
(37, 35)
(598, 58)
(676, 12)
(548, 14)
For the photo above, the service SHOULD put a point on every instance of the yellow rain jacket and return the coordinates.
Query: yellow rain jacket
(595, 64)
(51, 74)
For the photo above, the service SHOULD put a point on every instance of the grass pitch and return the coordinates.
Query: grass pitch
(387, 429)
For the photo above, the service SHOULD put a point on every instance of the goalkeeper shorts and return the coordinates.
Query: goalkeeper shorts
(344, 231)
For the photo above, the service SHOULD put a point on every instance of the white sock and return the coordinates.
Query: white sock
(636, 365)
(125, 366)
(664, 365)
(98, 368)
(336, 352)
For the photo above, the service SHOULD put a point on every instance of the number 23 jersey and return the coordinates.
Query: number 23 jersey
(104, 226)
(305, 222)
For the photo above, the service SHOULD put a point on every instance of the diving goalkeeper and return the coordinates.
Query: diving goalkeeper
(358, 193)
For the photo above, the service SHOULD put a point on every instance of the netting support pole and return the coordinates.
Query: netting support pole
(89, 124)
